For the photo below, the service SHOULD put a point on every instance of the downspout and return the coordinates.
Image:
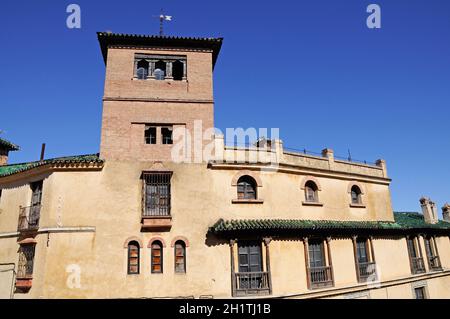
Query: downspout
(13, 277)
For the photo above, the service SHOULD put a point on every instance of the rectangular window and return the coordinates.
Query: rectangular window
(133, 258)
(180, 258)
(250, 265)
(433, 257)
(250, 259)
(157, 194)
(166, 133)
(26, 261)
(411, 248)
(157, 258)
(316, 254)
(150, 135)
(361, 250)
(420, 293)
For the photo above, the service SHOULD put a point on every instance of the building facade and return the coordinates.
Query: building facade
(167, 209)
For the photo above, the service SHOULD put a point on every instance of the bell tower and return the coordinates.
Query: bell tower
(156, 86)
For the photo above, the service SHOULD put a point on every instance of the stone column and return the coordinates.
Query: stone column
(269, 278)
(356, 258)
(169, 70)
(135, 76)
(151, 71)
(184, 70)
(306, 251)
(330, 261)
(233, 275)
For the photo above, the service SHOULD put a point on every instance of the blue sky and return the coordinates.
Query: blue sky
(311, 68)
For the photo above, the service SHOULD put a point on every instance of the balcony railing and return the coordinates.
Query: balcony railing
(367, 270)
(321, 277)
(435, 263)
(156, 211)
(251, 283)
(418, 266)
(29, 218)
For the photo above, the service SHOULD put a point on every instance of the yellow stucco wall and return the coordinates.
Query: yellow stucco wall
(109, 201)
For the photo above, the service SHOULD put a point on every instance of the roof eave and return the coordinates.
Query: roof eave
(107, 39)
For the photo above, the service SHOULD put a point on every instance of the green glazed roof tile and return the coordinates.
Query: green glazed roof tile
(8, 145)
(21, 167)
(403, 222)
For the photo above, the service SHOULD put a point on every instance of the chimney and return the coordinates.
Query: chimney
(5, 148)
(42, 152)
(429, 210)
(446, 212)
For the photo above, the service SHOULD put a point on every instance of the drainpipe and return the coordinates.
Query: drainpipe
(13, 277)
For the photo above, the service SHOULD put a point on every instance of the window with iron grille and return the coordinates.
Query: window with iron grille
(157, 257)
(26, 261)
(133, 258)
(156, 194)
(246, 188)
(180, 257)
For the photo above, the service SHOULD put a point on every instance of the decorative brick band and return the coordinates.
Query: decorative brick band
(182, 238)
(156, 239)
(133, 238)
(252, 174)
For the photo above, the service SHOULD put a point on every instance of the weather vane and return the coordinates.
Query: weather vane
(162, 17)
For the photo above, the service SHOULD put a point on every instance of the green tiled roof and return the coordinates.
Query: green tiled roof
(8, 145)
(404, 222)
(21, 167)
(413, 220)
(298, 224)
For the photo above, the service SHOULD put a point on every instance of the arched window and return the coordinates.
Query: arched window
(356, 195)
(160, 70)
(177, 70)
(246, 187)
(311, 192)
(142, 70)
(133, 257)
(180, 257)
(157, 257)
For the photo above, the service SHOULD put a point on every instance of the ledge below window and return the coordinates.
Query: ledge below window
(156, 223)
(357, 205)
(247, 201)
(312, 203)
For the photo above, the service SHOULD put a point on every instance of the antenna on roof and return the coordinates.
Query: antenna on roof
(162, 17)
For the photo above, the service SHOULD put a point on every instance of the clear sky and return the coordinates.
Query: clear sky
(311, 68)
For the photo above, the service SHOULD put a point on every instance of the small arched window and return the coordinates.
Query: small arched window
(246, 187)
(142, 69)
(133, 258)
(157, 257)
(356, 195)
(180, 257)
(177, 70)
(160, 70)
(311, 192)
